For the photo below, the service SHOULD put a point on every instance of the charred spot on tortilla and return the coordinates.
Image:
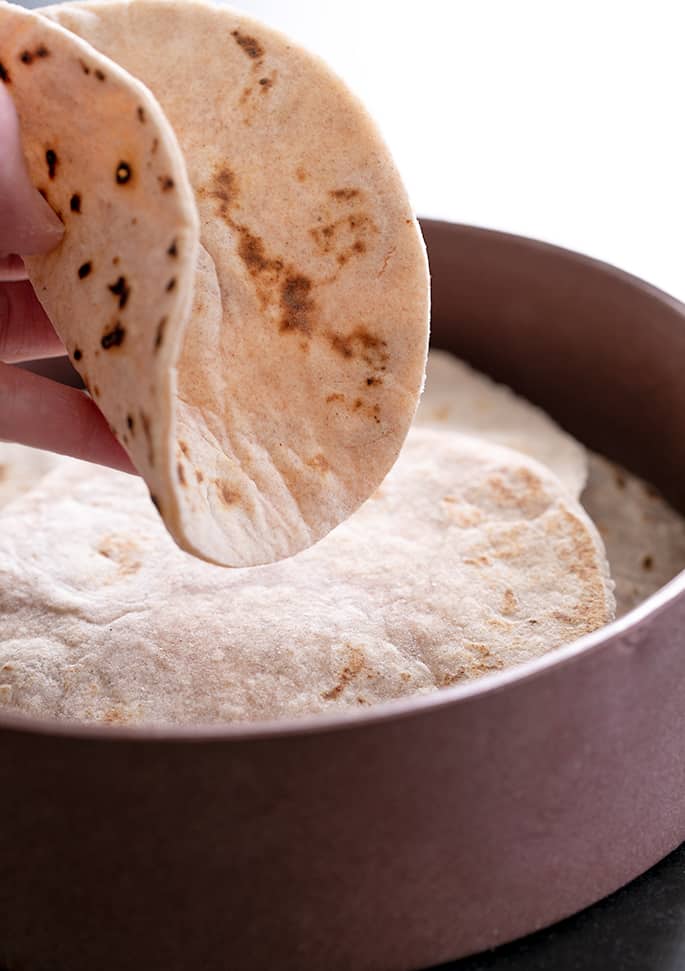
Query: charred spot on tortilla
(159, 337)
(78, 354)
(41, 52)
(123, 173)
(171, 284)
(250, 45)
(121, 290)
(130, 423)
(296, 304)
(75, 203)
(184, 448)
(51, 159)
(647, 562)
(166, 183)
(181, 474)
(114, 337)
(173, 250)
(141, 114)
(99, 74)
(84, 270)
(84, 67)
(4, 74)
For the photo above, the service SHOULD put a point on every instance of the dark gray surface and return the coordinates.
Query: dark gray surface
(639, 928)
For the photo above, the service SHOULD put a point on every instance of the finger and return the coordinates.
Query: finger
(26, 334)
(38, 412)
(27, 223)
(12, 268)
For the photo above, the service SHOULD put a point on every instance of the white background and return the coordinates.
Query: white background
(559, 119)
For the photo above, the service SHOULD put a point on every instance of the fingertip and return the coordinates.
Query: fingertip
(28, 225)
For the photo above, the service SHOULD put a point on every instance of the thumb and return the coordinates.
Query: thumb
(27, 223)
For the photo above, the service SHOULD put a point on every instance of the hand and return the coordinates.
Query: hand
(34, 410)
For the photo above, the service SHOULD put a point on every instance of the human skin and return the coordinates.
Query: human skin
(34, 410)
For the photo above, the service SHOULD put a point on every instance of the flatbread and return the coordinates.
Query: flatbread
(644, 536)
(119, 286)
(469, 558)
(301, 369)
(21, 468)
(458, 397)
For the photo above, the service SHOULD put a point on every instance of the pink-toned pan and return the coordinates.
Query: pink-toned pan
(418, 831)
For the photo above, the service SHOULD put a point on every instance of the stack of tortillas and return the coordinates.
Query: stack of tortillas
(470, 557)
(243, 288)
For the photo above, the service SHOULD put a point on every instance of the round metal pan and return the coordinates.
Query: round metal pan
(417, 831)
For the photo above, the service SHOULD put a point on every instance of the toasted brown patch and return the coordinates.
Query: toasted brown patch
(647, 562)
(361, 343)
(116, 716)
(75, 203)
(199, 476)
(122, 551)
(319, 462)
(301, 174)
(354, 666)
(509, 603)
(344, 195)
(184, 448)
(251, 252)
(296, 305)
(227, 495)
(250, 45)
(224, 189)
(180, 471)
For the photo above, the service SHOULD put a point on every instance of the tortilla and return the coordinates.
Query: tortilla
(644, 536)
(21, 468)
(458, 397)
(301, 368)
(469, 558)
(118, 288)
